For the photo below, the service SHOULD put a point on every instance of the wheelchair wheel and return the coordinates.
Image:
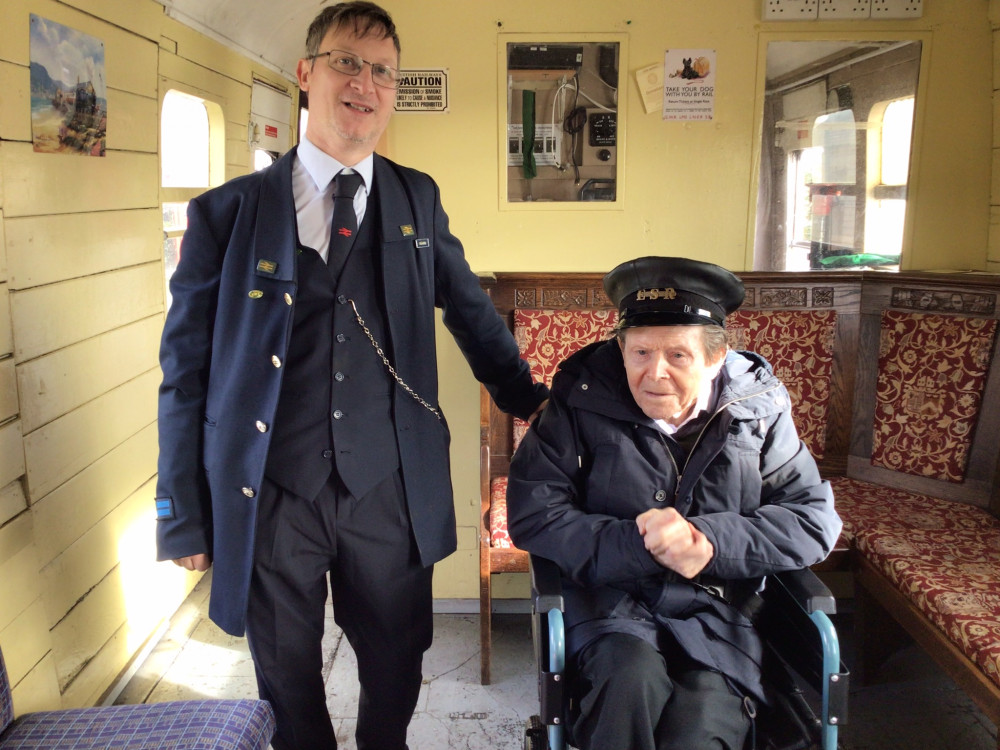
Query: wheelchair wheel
(535, 736)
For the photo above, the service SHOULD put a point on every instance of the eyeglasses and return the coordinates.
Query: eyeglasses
(351, 64)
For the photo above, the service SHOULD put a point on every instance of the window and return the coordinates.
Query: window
(890, 157)
(834, 154)
(192, 134)
(184, 141)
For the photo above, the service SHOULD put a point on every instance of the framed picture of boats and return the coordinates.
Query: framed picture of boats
(69, 108)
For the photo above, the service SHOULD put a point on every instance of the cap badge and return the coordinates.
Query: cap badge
(644, 294)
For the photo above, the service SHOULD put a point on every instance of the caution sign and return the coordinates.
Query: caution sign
(422, 91)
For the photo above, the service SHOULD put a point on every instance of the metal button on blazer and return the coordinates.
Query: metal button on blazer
(248, 491)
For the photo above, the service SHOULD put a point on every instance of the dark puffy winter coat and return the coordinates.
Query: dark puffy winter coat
(594, 461)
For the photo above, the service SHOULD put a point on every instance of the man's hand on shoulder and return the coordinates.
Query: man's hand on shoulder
(200, 562)
(674, 542)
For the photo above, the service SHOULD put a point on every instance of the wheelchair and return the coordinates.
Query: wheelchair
(807, 680)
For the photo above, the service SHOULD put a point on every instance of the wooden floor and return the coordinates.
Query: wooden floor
(913, 706)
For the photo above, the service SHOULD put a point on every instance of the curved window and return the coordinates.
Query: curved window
(184, 141)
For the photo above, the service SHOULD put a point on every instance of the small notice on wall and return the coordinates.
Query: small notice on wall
(422, 91)
(650, 83)
(689, 84)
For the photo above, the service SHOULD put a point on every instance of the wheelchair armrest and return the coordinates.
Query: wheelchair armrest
(546, 584)
(805, 588)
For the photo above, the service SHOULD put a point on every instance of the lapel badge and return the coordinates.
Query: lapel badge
(256, 294)
(422, 242)
(407, 230)
(267, 266)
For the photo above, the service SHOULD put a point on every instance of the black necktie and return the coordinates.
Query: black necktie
(345, 221)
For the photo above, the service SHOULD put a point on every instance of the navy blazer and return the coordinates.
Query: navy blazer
(223, 350)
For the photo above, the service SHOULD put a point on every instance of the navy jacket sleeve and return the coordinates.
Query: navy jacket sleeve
(183, 500)
(478, 329)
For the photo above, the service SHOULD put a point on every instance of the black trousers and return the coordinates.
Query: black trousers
(630, 698)
(381, 599)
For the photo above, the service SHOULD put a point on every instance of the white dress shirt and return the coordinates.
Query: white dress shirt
(312, 176)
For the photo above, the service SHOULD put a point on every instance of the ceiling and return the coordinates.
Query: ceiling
(272, 31)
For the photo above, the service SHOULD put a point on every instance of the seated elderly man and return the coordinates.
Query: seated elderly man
(666, 479)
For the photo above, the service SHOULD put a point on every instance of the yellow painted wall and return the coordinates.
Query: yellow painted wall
(81, 294)
(689, 187)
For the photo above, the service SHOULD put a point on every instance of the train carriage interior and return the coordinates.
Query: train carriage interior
(841, 156)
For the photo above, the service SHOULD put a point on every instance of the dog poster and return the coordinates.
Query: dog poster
(689, 84)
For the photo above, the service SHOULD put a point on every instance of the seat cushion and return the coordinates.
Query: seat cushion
(6, 703)
(931, 374)
(192, 725)
(799, 346)
(944, 556)
(547, 337)
(499, 536)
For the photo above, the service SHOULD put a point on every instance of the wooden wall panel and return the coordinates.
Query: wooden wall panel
(100, 672)
(71, 509)
(17, 559)
(12, 502)
(3, 238)
(88, 626)
(129, 59)
(35, 187)
(38, 691)
(8, 390)
(232, 94)
(28, 635)
(51, 317)
(85, 563)
(142, 17)
(11, 452)
(45, 249)
(57, 383)
(133, 122)
(6, 332)
(15, 114)
(63, 448)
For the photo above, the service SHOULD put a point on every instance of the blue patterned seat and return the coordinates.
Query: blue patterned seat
(179, 725)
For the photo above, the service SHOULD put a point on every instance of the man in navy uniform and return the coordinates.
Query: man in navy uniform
(300, 434)
(666, 479)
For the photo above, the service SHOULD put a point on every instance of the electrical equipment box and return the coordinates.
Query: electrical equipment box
(545, 57)
(560, 133)
(600, 142)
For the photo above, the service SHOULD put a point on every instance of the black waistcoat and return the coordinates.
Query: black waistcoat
(335, 407)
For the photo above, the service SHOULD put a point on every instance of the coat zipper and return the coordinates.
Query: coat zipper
(717, 412)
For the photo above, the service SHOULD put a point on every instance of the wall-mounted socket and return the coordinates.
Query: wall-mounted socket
(789, 10)
(847, 10)
(897, 9)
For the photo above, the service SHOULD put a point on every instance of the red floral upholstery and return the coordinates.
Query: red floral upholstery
(547, 337)
(931, 373)
(799, 346)
(944, 556)
(499, 536)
